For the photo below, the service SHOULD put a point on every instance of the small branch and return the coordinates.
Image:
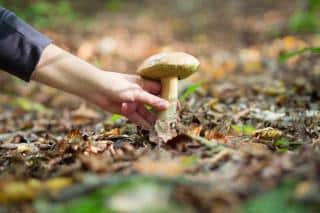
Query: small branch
(209, 143)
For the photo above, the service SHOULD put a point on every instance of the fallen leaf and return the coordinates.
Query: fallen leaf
(21, 191)
(28, 105)
(55, 185)
(84, 115)
(243, 129)
(255, 149)
(27, 148)
(11, 192)
(163, 131)
(268, 133)
(307, 191)
(87, 50)
(167, 168)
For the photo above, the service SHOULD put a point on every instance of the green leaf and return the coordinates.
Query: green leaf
(244, 129)
(304, 22)
(190, 160)
(286, 56)
(113, 5)
(314, 5)
(282, 143)
(278, 201)
(114, 118)
(27, 105)
(190, 90)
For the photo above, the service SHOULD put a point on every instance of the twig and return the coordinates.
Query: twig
(209, 143)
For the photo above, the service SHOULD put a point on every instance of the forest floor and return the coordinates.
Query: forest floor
(249, 131)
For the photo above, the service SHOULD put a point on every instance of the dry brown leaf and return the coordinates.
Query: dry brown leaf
(195, 130)
(268, 133)
(27, 148)
(84, 115)
(87, 50)
(307, 191)
(112, 132)
(97, 147)
(251, 60)
(167, 168)
(255, 149)
(96, 163)
(20, 191)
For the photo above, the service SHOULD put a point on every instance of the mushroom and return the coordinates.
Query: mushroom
(169, 68)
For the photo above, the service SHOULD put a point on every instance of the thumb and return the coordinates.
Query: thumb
(144, 97)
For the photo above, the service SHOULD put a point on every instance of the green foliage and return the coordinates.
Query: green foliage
(314, 5)
(286, 56)
(282, 145)
(115, 117)
(190, 90)
(113, 5)
(27, 105)
(244, 129)
(190, 160)
(105, 199)
(306, 21)
(278, 201)
(43, 13)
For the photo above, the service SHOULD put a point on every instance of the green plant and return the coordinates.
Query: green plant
(280, 200)
(43, 13)
(190, 90)
(307, 20)
(113, 5)
(287, 55)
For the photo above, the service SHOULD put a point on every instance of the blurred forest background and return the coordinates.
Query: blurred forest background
(256, 94)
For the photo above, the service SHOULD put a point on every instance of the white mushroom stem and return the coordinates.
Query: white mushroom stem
(169, 92)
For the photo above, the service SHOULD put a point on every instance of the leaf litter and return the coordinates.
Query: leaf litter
(247, 136)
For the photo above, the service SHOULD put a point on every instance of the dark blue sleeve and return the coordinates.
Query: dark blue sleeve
(20, 45)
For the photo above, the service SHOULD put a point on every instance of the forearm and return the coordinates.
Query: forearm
(62, 70)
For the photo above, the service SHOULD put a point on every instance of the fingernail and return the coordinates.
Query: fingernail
(164, 104)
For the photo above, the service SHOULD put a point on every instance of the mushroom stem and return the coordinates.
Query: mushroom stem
(169, 92)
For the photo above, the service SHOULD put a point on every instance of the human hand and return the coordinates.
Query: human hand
(114, 92)
(127, 95)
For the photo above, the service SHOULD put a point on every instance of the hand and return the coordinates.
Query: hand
(114, 92)
(127, 95)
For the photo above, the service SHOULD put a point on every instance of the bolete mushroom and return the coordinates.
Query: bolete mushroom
(169, 68)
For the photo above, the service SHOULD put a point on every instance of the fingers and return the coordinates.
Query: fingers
(144, 97)
(147, 115)
(130, 110)
(136, 118)
(153, 87)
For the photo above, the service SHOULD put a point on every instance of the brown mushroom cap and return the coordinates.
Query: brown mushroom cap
(170, 64)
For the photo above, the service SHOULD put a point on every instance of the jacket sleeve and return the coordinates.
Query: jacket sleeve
(20, 45)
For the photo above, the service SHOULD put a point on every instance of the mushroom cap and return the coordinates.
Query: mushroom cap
(170, 64)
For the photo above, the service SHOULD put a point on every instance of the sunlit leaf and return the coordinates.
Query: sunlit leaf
(114, 118)
(268, 133)
(27, 105)
(286, 56)
(277, 201)
(304, 22)
(244, 129)
(190, 90)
